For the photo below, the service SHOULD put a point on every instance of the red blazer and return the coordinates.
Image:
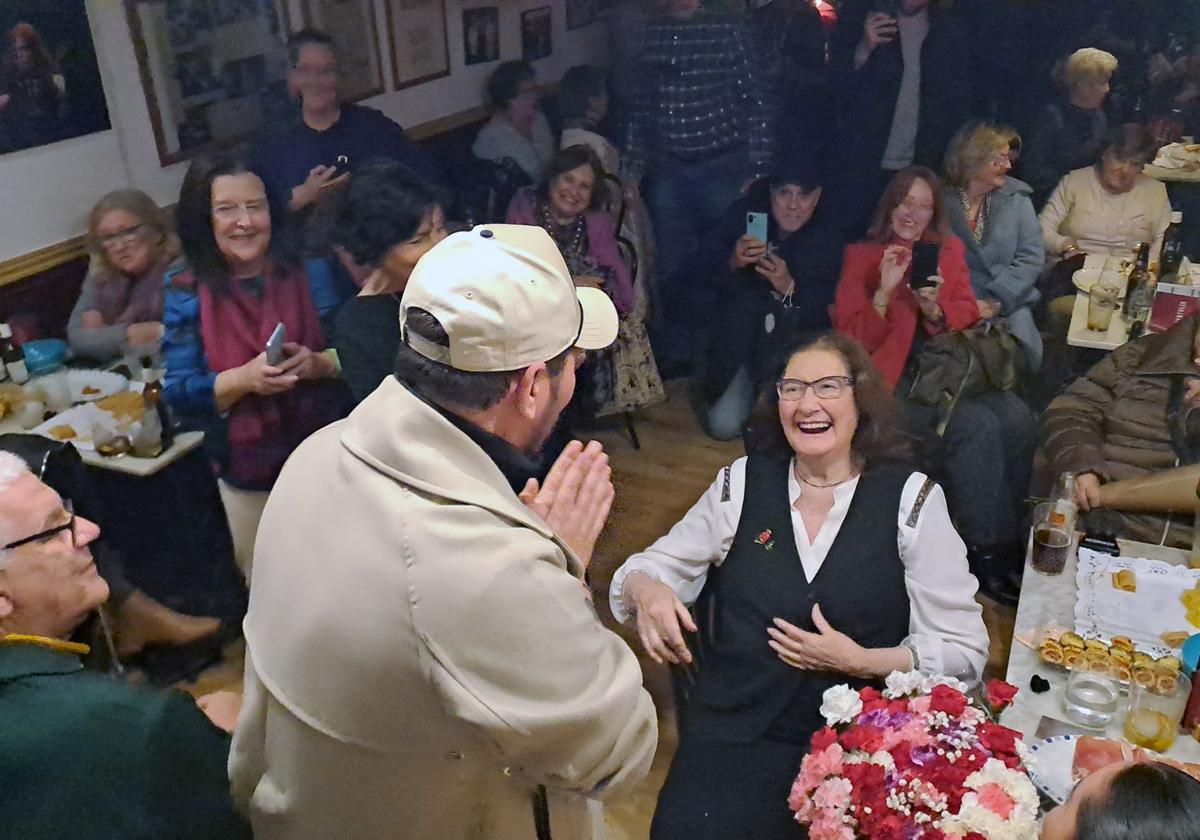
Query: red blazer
(889, 339)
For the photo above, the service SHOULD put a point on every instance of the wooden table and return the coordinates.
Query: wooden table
(1046, 598)
(1078, 334)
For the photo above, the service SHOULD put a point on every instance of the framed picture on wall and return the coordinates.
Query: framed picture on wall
(212, 70)
(351, 25)
(481, 35)
(580, 13)
(417, 34)
(536, 34)
(49, 81)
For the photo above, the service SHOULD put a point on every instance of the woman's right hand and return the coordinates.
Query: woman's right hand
(892, 266)
(320, 178)
(142, 333)
(660, 615)
(258, 377)
(879, 28)
(748, 250)
(1087, 491)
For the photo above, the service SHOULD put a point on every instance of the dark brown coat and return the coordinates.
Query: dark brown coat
(1113, 421)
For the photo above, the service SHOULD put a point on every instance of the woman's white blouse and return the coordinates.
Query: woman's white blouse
(945, 622)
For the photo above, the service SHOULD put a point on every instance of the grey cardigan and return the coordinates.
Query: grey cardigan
(1006, 265)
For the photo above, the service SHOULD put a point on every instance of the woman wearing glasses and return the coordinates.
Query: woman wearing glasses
(132, 246)
(821, 560)
(219, 315)
(985, 449)
(991, 212)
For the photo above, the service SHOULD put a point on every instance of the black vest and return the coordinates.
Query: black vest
(744, 691)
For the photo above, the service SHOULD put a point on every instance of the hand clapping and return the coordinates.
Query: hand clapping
(575, 498)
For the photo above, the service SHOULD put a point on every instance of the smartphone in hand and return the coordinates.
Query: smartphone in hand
(274, 348)
(756, 225)
(924, 264)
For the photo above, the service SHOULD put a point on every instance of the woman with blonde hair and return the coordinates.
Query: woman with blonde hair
(132, 246)
(1068, 133)
(990, 211)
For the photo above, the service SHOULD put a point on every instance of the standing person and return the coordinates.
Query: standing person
(446, 670)
(317, 151)
(33, 94)
(218, 317)
(1067, 133)
(985, 449)
(991, 213)
(699, 130)
(903, 88)
(519, 130)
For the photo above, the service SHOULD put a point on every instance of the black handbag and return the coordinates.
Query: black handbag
(969, 363)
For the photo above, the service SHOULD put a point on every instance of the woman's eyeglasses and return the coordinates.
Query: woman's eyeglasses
(50, 533)
(826, 388)
(122, 237)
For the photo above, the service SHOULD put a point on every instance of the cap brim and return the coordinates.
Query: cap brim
(599, 319)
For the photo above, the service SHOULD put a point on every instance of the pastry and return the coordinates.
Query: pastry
(1120, 672)
(1051, 651)
(1071, 640)
(1125, 580)
(62, 432)
(1145, 677)
(1166, 683)
(1097, 661)
(1121, 657)
(1072, 658)
(1095, 646)
(1175, 638)
(1168, 663)
(1122, 643)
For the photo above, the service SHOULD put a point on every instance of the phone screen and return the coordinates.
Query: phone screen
(924, 263)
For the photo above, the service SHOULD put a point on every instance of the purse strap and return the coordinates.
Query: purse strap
(541, 814)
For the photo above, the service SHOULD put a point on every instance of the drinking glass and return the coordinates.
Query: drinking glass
(1092, 699)
(1051, 542)
(1155, 712)
(1102, 302)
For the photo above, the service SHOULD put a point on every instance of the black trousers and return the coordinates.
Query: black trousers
(722, 791)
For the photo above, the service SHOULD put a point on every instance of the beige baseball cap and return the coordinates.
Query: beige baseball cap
(505, 298)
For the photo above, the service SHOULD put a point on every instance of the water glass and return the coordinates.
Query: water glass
(1051, 542)
(1155, 712)
(1092, 699)
(1102, 302)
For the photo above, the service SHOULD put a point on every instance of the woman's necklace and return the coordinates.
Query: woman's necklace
(811, 483)
(981, 213)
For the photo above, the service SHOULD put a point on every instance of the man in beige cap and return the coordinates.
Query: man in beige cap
(422, 658)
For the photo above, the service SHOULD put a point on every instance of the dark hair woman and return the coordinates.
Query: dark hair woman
(567, 203)
(32, 92)
(1148, 799)
(218, 317)
(519, 131)
(380, 224)
(985, 449)
(821, 560)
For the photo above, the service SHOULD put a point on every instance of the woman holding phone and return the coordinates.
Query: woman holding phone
(888, 299)
(220, 315)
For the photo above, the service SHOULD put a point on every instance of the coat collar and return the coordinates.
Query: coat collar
(24, 659)
(396, 433)
(1171, 352)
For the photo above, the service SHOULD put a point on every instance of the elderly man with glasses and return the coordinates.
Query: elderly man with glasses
(83, 755)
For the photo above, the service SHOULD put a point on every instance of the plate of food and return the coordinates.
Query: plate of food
(1179, 156)
(1086, 277)
(1051, 766)
(92, 385)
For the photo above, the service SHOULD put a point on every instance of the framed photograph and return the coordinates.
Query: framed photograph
(536, 34)
(481, 34)
(580, 13)
(419, 44)
(351, 25)
(50, 86)
(212, 70)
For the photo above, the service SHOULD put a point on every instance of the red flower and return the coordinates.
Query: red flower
(1000, 694)
(763, 537)
(868, 693)
(823, 738)
(974, 835)
(948, 700)
(999, 739)
(869, 738)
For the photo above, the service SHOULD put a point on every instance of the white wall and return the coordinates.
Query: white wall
(45, 192)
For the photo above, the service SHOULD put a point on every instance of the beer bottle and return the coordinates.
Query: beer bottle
(1065, 510)
(1171, 255)
(1137, 287)
(148, 438)
(12, 357)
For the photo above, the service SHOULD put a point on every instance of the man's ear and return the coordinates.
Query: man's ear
(528, 388)
(6, 604)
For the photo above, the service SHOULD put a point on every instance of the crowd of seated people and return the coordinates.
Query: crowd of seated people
(751, 243)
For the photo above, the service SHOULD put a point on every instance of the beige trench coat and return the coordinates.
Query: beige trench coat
(420, 653)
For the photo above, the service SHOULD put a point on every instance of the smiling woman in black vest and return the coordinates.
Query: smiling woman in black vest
(827, 560)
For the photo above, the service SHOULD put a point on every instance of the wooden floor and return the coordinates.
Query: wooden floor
(655, 486)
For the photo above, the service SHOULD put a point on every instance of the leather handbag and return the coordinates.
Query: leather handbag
(955, 365)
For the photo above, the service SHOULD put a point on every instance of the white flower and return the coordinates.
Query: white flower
(840, 704)
(884, 759)
(928, 683)
(902, 683)
(1025, 754)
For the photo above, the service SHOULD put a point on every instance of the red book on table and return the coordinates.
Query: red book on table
(1172, 303)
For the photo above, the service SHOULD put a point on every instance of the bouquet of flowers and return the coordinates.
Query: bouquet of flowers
(917, 760)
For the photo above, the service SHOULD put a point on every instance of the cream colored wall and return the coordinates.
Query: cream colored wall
(45, 192)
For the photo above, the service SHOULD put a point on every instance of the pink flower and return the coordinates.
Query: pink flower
(827, 762)
(919, 705)
(993, 797)
(833, 794)
(828, 825)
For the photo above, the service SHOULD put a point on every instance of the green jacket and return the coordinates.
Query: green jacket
(84, 756)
